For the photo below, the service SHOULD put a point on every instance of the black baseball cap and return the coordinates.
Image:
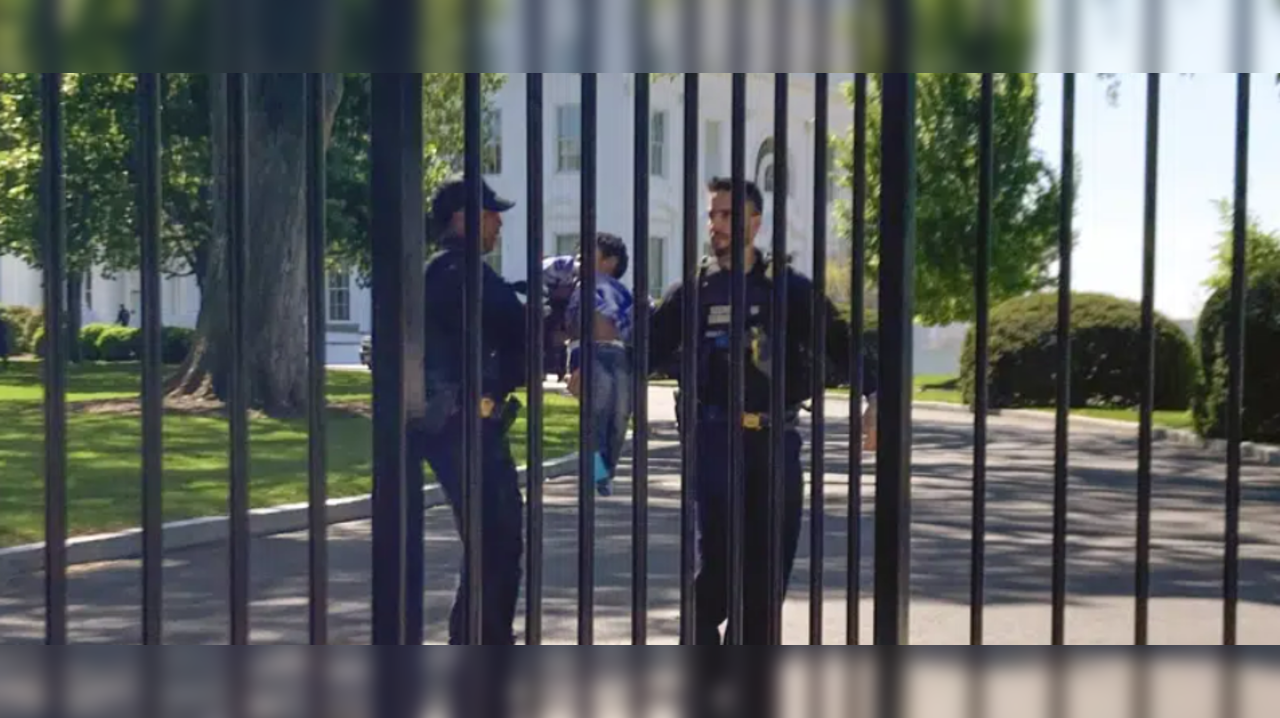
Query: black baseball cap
(452, 198)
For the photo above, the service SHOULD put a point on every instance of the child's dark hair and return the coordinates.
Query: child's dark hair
(754, 197)
(611, 246)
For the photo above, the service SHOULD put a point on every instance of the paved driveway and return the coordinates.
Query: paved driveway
(1187, 554)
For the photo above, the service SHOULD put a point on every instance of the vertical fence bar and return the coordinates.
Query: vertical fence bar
(472, 390)
(897, 274)
(857, 326)
(1145, 430)
(152, 370)
(778, 350)
(737, 345)
(237, 381)
(149, 150)
(1235, 349)
(1061, 477)
(537, 349)
(149, 203)
(316, 404)
(818, 464)
(54, 257)
(689, 384)
(640, 454)
(982, 269)
(586, 462)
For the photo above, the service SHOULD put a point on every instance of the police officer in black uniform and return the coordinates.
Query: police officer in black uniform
(440, 434)
(714, 362)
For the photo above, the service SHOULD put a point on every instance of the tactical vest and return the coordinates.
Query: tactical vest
(715, 341)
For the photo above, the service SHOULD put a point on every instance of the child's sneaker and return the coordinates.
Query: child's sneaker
(604, 482)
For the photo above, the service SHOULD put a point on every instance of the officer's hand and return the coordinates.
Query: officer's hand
(521, 287)
(575, 384)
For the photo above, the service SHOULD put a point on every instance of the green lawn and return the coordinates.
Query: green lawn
(934, 387)
(929, 387)
(947, 390)
(104, 453)
(1166, 419)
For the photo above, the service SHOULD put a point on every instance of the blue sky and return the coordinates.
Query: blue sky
(1196, 168)
(1197, 147)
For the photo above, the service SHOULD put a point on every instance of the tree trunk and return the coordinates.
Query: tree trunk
(276, 281)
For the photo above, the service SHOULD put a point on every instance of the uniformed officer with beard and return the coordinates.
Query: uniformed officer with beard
(714, 369)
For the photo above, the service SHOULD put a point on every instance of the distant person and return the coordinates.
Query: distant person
(123, 317)
(4, 344)
(611, 399)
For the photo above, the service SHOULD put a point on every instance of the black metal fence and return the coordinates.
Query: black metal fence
(397, 231)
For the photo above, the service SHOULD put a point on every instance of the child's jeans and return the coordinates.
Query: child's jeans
(611, 409)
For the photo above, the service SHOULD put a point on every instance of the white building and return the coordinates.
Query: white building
(349, 303)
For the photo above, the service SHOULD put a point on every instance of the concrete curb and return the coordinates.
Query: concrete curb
(178, 535)
(1264, 454)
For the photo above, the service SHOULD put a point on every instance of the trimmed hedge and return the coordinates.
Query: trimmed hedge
(114, 343)
(1261, 398)
(1106, 335)
(23, 324)
(90, 336)
(118, 344)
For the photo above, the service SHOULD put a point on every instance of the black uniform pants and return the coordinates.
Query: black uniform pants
(712, 585)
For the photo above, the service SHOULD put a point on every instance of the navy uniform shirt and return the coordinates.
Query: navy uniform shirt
(503, 326)
(713, 352)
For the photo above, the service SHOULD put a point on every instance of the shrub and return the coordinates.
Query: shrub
(1261, 399)
(89, 337)
(176, 344)
(119, 344)
(1106, 335)
(23, 323)
(14, 333)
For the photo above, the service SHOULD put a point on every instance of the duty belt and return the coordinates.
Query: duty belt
(752, 421)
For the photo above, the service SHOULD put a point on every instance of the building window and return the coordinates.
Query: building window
(713, 160)
(566, 245)
(657, 266)
(88, 289)
(339, 296)
(658, 145)
(491, 159)
(569, 138)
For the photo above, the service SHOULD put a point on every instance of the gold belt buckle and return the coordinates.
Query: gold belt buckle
(487, 406)
(752, 421)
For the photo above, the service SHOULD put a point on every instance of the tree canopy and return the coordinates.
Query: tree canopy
(100, 120)
(1262, 250)
(1026, 205)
